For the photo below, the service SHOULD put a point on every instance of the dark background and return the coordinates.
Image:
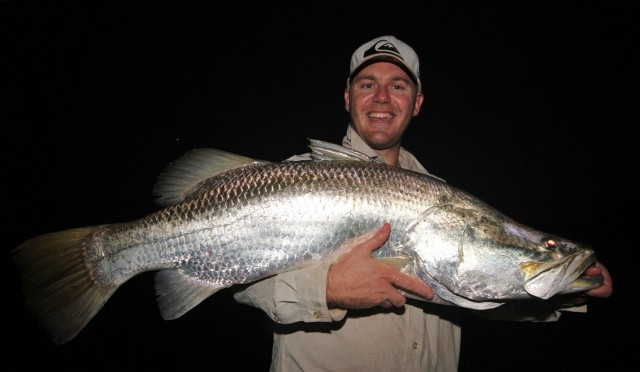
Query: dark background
(527, 107)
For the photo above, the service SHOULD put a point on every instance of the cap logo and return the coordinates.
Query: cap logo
(382, 46)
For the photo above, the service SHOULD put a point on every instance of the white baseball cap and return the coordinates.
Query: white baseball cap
(386, 49)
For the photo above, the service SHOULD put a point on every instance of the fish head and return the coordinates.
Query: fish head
(471, 255)
(560, 269)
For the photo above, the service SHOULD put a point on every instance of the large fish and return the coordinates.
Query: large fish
(228, 219)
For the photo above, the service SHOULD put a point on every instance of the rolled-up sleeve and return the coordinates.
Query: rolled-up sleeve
(293, 296)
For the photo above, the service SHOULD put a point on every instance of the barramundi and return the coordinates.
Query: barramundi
(226, 219)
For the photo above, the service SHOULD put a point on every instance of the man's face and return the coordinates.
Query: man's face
(382, 100)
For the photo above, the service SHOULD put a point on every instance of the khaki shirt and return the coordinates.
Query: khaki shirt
(308, 336)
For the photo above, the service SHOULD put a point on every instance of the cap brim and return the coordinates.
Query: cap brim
(384, 58)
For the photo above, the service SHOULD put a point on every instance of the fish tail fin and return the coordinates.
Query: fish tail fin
(57, 284)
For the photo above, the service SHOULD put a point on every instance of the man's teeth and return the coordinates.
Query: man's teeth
(380, 116)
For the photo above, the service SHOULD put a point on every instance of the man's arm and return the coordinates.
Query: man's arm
(323, 292)
(298, 295)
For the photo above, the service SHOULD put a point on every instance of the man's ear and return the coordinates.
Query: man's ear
(346, 98)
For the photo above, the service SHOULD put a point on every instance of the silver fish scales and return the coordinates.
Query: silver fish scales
(229, 220)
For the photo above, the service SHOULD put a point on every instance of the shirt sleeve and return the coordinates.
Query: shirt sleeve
(294, 296)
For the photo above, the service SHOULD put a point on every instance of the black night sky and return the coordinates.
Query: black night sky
(526, 107)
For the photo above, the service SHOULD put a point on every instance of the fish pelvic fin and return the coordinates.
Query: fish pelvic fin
(57, 285)
(182, 176)
(177, 293)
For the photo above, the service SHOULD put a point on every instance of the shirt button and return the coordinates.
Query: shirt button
(415, 346)
(316, 314)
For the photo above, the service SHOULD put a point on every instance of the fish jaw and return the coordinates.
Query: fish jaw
(544, 280)
(583, 284)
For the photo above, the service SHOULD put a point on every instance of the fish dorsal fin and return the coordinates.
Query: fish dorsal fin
(180, 177)
(321, 150)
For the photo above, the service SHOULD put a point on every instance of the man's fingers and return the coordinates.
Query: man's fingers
(397, 299)
(593, 270)
(412, 284)
(376, 238)
(382, 234)
(369, 241)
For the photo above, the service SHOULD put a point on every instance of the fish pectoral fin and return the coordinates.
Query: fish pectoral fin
(178, 293)
(405, 264)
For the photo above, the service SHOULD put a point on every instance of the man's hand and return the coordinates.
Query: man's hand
(357, 281)
(606, 289)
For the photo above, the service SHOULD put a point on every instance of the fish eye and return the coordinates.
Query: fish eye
(551, 244)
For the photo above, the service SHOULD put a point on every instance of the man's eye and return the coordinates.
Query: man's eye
(398, 87)
(367, 85)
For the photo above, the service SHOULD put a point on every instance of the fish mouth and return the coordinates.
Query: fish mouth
(583, 284)
(544, 280)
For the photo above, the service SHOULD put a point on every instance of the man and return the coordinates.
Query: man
(349, 315)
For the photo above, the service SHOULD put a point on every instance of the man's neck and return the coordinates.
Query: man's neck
(390, 156)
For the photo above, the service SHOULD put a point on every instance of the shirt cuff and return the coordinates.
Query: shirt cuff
(302, 295)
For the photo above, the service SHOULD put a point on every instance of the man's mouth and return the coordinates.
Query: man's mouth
(380, 115)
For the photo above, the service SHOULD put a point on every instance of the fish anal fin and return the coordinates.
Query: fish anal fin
(178, 293)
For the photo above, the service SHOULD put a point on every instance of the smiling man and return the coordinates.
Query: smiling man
(349, 315)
